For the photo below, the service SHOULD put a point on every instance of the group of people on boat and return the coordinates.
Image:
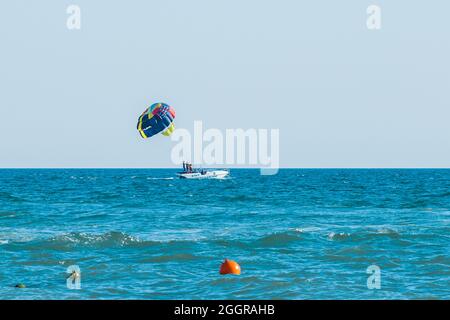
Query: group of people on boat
(187, 167)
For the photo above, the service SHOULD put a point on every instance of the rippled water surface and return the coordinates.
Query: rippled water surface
(300, 234)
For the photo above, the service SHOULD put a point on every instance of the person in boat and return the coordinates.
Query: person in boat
(184, 166)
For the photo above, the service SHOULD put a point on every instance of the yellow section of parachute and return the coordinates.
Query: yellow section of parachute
(169, 130)
(143, 135)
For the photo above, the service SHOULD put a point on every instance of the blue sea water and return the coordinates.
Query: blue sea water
(300, 234)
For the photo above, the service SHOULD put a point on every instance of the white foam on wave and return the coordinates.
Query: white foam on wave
(307, 229)
(83, 238)
(337, 236)
(386, 231)
(21, 235)
(169, 235)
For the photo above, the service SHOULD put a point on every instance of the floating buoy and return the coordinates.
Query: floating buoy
(20, 285)
(230, 266)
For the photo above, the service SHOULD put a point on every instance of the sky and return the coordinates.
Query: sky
(340, 94)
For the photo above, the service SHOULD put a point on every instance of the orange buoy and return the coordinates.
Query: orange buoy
(230, 266)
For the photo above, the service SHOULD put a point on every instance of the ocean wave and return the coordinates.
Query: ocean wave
(307, 229)
(282, 239)
(99, 197)
(108, 239)
(105, 195)
(11, 198)
(388, 231)
(239, 197)
(363, 234)
(83, 177)
(338, 236)
(7, 214)
(279, 239)
(73, 240)
(18, 235)
(170, 258)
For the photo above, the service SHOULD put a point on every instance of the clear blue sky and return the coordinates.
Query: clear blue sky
(341, 95)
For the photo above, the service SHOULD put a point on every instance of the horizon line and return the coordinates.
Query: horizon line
(253, 168)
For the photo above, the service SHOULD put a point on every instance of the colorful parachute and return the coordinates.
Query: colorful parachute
(155, 119)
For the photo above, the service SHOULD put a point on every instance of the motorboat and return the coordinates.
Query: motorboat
(189, 173)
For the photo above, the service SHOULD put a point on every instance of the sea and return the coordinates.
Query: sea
(299, 234)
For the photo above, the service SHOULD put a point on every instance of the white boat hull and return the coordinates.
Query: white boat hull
(216, 174)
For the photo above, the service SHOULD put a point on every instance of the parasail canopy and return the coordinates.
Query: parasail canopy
(155, 119)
